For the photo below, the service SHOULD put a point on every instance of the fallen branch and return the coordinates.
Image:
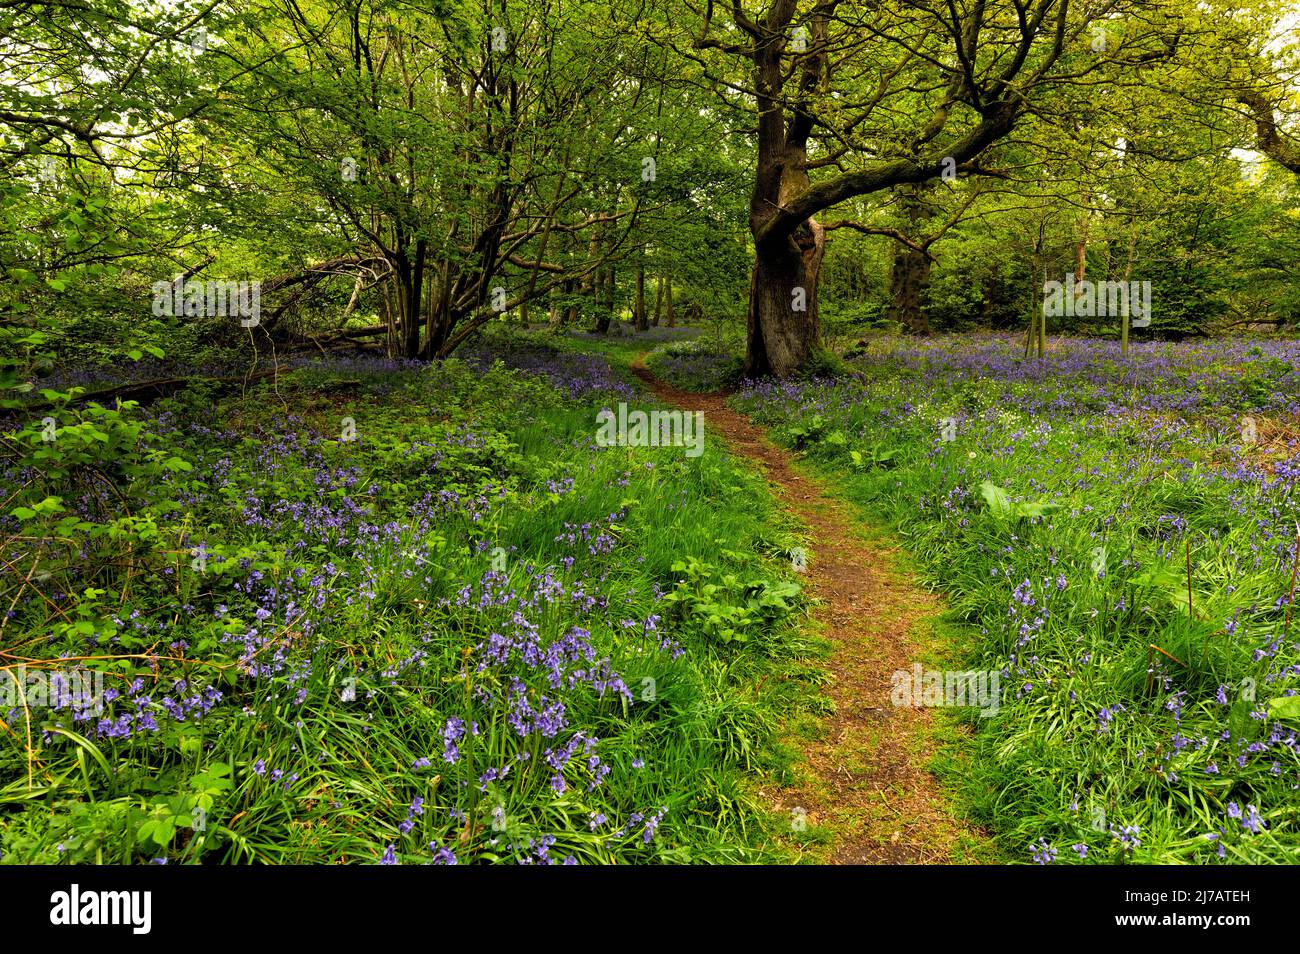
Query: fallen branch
(157, 388)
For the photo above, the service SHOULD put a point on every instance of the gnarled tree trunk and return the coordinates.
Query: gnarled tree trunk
(784, 327)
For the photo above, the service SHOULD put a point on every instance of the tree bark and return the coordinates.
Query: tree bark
(571, 312)
(410, 284)
(602, 315)
(908, 284)
(1269, 139)
(590, 288)
(605, 314)
(638, 312)
(784, 328)
(668, 299)
(910, 274)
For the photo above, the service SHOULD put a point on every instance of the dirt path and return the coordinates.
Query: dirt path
(868, 785)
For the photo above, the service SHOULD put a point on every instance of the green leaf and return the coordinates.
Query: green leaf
(145, 831)
(1035, 509)
(1001, 506)
(1284, 707)
(997, 499)
(163, 832)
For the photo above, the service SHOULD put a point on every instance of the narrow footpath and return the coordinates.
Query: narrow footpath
(866, 780)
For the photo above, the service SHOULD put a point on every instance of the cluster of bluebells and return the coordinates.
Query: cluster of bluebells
(123, 716)
(327, 534)
(416, 809)
(581, 375)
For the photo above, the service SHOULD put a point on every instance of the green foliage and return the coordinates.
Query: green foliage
(725, 609)
(1002, 507)
(877, 455)
(303, 602)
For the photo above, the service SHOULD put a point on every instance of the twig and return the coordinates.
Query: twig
(1295, 565)
(1153, 647)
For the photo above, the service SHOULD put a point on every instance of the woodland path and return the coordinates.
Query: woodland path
(866, 779)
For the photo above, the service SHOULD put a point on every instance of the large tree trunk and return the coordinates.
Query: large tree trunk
(784, 329)
(994, 71)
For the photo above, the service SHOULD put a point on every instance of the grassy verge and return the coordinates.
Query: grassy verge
(1120, 552)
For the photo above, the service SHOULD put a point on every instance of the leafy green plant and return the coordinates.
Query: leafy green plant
(804, 432)
(875, 455)
(1001, 506)
(725, 608)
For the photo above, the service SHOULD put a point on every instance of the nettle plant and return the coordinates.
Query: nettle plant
(725, 608)
(94, 490)
(91, 517)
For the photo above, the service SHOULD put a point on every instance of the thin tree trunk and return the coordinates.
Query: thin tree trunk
(571, 312)
(638, 313)
(1042, 326)
(1128, 273)
(591, 284)
(606, 313)
(668, 299)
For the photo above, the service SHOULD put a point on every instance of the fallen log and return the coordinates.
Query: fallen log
(156, 388)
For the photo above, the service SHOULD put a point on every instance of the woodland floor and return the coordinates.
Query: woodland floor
(866, 778)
